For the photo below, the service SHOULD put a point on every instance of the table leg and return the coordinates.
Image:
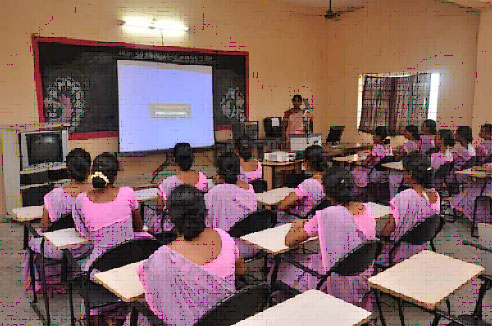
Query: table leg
(267, 176)
(400, 312)
(380, 309)
(26, 235)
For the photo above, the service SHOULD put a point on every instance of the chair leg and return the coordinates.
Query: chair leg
(380, 309)
(400, 312)
(437, 317)
(477, 312)
(475, 206)
(70, 299)
(32, 274)
(433, 247)
(45, 292)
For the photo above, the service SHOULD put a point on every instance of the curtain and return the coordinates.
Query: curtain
(376, 97)
(394, 102)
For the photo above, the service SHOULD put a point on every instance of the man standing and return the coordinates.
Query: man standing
(296, 121)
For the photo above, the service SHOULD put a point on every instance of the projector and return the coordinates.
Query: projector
(278, 157)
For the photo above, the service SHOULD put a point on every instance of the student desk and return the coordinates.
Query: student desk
(26, 215)
(271, 169)
(425, 280)
(344, 149)
(397, 166)
(122, 281)
(65, 238)
(354, 158)
(273, 197)
(313, 308)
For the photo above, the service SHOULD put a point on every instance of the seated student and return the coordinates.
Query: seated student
(411, 206)
(310, 192)
(341, 228)
(183, 155)
(189, 276)
(484, 149)
(412, 136)
(106, 215)
(444, 146)
(463, 152)
(380, 150)
(231, 201)
(57, 203)
(250, 168)
(428, 133)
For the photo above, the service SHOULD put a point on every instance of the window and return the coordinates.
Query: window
(396, 100)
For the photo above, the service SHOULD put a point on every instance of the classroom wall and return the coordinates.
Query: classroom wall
(482, 109)
(397, 36)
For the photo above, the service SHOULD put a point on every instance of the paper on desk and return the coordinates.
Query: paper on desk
(275, 122)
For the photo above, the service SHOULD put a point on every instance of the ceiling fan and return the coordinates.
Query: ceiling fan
(331, 14)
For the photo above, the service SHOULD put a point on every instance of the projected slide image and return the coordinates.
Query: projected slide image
(161, 104)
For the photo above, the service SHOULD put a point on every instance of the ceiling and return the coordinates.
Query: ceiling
(345, 4)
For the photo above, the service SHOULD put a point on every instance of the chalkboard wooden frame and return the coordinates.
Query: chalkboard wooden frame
(37, 40)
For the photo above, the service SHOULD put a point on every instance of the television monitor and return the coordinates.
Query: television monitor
(43, 147)
(335, 134)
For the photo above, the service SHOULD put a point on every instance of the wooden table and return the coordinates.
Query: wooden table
(271, 169)
(122, 281)
(26, 215)
(313, 308)
(397, 166)
(425, 279)
(274, 196)
(65, 238)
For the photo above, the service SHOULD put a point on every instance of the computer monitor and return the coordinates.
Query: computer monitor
(335, 134)
(250, 129)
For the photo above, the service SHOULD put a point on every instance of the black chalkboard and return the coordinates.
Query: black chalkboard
(79, 81)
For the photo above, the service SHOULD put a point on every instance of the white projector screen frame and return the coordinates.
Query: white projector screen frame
(161, 104)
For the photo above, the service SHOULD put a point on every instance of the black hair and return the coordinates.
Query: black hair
(338, 185)
(315, 158)
(465, 133)
(79, 164)
(108, 165)
(431, 124)
(187, 211)
(297, 97)
(244, 147)
(414, 130)
(382, 132)
(419, 166)
(487, 127)
(447, 137)
(183, 155)
(228, 167)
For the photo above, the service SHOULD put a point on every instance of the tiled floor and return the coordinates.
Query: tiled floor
(15, 308)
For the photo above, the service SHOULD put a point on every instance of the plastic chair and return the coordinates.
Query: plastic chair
(259, 185)
(254, 222)
(240, 305)
(324, 203)
(96, 295)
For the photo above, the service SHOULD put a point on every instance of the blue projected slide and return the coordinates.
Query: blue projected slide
(161, 104)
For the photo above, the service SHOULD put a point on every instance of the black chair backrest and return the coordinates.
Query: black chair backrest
(444, 170)
(468, 164)
(358, 260)
(241, 305)
(128, 252)
(324, 203)
(424, 231)
(64, 222)
(254, 222)
(259, 185)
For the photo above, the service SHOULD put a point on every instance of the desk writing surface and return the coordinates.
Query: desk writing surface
(271, 240)
(274, 196)
(379, 210)
(122, 281)
(351, 158)
(28, 213)
(65, 238)
(394, 166)
(147, 194)
(312, 308)
(475, 173)
(426, 278)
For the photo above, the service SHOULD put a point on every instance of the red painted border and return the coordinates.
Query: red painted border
(65, 40)
(223, 127)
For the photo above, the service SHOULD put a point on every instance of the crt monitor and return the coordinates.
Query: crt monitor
(335, 134)
(43, 147)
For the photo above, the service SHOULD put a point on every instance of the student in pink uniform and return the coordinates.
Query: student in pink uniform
(341, 228)
(380, 150)
(411, 206)
(183, 156)
(412, 145)
(231, 201)
(57, 203)
(484, 149)
(428, 131)
(463, 152)
(250, 168)
(310, 192)
(444, 145)
(189, 276)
